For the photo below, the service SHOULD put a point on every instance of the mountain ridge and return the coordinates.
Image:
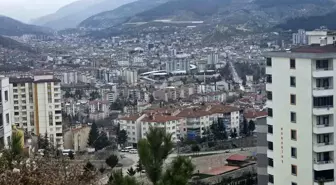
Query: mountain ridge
(72, 14)
(12, 27)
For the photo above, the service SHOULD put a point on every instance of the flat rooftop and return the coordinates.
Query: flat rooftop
(310, 52)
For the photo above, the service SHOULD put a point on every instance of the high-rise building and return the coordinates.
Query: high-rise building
(37, 107)
(5, 110)
(180, 62)
(300, 38)
(213, 59)
(301, 115)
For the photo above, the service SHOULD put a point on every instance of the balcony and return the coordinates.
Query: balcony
(323, 129)
(325, 182)
(323, 110)
(323, 165)
(323, 147)
(323, 72)
(323, 91)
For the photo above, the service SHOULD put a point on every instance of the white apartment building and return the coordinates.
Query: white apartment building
(69, 77)
(37, 107)
(321, 36)
(130, 76)
(301, 115)
(137, 126)
(5, 111)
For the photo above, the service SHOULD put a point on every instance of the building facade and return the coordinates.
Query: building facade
(5, 112)
(301, 115)
(37, 106)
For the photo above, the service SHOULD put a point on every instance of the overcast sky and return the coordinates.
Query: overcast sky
(25, 10)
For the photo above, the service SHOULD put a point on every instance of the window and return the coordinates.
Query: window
(269, 79)
(293, 99)
(7, 118)
(293, 135)
(270, 145)
(292, 63)
(16, 113)
(270, 112)
(323, 83)
(269, 95)
(323, 120)
(6, 95)
(14, 84)
(294, 183)
(322, 64)
(270, 129)
(293, 117)
(269, 62)
(294, 170)
(270, 162)
(270, 178)
(293, 152)
(59, 134)
(58, 112)
(1, 121)
(326, 101)
(292, 81)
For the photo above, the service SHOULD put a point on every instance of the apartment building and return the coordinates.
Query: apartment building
(37, 107)
(301, 115)
(5, 111)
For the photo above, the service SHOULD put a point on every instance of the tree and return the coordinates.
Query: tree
(139, 167)
(251, 126)
(79, 94)
(93, 135)
(233, 133)
(245, 127)
(71, 155)
(16, 145)
(94, 95)
(112, 161)
(117, 178)
(151, 98)
(178, 172)
(153, 151)
(131, 172)
(102, 141)
(122, 137)
(195, 148)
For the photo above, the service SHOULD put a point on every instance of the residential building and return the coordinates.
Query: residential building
(130, 76)
(213, 59)
(321, 36)
(5, 111)
(37, 107)
(300, 38)
(180, 62)
(301, 115)
(76, 138)
(69, 77)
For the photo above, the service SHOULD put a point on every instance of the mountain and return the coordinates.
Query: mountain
(119, 15)
(310, 23)
(12, 27)
(236, 11)
(71, 15)
(9, 43)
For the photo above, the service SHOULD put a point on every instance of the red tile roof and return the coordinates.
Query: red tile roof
(131, 117)
(255, 114)
(237, 157)
(160, 118)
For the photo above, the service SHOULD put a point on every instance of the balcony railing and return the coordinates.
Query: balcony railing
(323, 88)
(323, 144)
(323, 161)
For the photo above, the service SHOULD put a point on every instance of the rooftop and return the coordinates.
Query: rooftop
(315, 49)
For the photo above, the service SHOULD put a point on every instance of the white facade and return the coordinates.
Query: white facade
(180, 62)
(130, 76)
(5, 110)
(321, 36)
(213, 59)
(301, 117)
(37, 106)
(69, 77)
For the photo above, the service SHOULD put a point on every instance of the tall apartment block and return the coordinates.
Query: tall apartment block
(5, 111)
(301, 118)
(37, 106)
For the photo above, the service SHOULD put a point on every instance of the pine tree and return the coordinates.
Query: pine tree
(93, 135)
